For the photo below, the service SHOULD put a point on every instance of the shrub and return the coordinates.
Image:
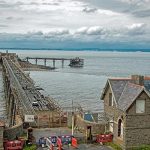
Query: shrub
(142, 147)
(32, 147)
(114, 146)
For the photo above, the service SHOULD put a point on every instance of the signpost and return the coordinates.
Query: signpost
(29, 118)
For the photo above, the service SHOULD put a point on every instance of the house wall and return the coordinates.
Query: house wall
(1, 135)
(116, 114)
(96, 128)
(138, 125)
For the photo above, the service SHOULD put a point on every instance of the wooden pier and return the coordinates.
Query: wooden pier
(48, 58)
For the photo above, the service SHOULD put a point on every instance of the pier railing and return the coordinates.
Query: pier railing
(23, 98)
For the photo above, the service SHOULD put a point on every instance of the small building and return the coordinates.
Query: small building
(127, 108)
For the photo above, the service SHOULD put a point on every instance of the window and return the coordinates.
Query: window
(120, 128)
(111, 126)
(140, 106)
(110, 99)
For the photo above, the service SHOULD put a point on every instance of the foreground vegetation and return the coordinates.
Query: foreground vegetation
(31, 147)
(116, 147)
(143, 147)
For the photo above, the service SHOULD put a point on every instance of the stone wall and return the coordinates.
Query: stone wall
(138, 125)
(12, 132)
(114, 114)
(1, 135)
(50, 119)
(82, 125)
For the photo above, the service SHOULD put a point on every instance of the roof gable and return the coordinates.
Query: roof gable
(117, 87)
(125, 91)
(130, 93)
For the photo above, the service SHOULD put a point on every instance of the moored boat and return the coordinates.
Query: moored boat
(76, 62)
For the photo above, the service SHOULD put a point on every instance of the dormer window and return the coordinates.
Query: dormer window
(110, 99)
(140, 106)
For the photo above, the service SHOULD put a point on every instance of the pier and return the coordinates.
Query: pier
(49, 59)
(25, 104)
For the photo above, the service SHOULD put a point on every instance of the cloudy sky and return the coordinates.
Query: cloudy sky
(75, 24)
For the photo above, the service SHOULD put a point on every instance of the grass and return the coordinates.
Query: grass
(114, 146)
(32, 147)
(142, 147)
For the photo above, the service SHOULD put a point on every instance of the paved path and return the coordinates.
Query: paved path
(84, 147)
(38, 133)
(46, 132)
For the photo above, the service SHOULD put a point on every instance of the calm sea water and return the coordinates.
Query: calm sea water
(84, 85)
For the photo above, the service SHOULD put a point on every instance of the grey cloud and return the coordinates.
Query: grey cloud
(89, 10)
(14, 18)
(142, 13)
(137, 29)
(38, 33)
(54, 3)
(52, 34)
(137, 8)
(3, 26)
(57, 34)
(9, 18)
(4, 4)
(95, 30)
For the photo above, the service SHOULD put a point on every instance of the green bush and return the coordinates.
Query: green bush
(142, 147)
(32, 147)
(114, 146)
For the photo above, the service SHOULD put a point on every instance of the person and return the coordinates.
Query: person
(16, 137)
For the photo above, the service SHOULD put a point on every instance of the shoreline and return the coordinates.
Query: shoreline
(77, 50)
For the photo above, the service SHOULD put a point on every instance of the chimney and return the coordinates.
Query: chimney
(137, 79)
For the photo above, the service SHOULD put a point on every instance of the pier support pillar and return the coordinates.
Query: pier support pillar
(10, 116)
(14, 114)
(53, 63)
(62, 63)
(8, 103)
(45, 62)
(36, 61)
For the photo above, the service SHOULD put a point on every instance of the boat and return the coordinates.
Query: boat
(76, 62)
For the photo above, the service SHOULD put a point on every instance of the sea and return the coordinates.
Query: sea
(83, 86)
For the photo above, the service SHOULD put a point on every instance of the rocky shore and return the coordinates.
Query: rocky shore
(27, 66)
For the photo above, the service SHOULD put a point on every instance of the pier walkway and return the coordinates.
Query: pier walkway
(49, 58)
(22, 96)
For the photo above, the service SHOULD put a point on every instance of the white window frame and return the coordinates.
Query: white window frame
(112, 99)
(111, 126)
(140, 106)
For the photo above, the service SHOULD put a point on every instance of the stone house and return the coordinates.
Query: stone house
(127, 108)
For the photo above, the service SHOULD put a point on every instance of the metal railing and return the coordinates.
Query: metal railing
(23, 98)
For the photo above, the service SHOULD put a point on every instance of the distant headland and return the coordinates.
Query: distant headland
(82, 49)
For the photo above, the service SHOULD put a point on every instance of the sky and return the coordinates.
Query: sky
(75, 24)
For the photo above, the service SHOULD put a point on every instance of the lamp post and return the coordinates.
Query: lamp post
(72, 119)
